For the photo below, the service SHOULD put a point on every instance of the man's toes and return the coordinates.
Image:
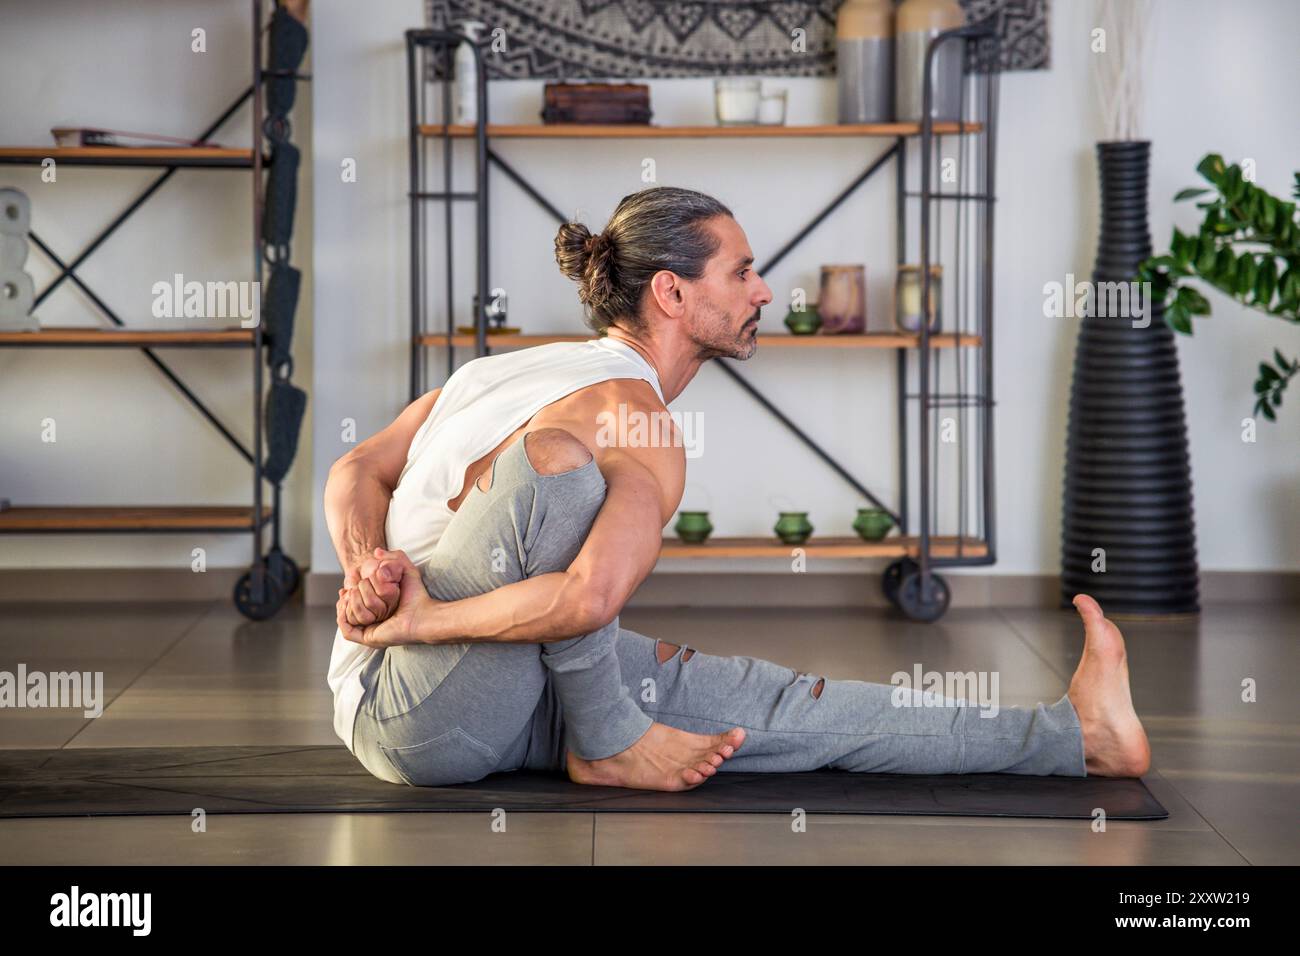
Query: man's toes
(1089, 610)
(692, 778)
(732, 738)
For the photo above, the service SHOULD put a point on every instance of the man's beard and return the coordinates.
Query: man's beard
(718, 338)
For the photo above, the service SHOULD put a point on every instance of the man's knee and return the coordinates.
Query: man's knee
(665, 651)
(553, 451)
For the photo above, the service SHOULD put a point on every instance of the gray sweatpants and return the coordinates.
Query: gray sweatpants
(434, 715)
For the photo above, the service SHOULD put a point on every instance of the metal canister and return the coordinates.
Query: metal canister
(916, 24)
(864, 60)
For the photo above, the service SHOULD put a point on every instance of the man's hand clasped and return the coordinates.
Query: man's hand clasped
(382, 601)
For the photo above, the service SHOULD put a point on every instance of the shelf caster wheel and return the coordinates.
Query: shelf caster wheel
(894, 575)
(282, 567)
(273, 596)
(923, 607)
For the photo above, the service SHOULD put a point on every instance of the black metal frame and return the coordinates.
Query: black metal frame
(983, 398)
(67, 270)
(442, 42)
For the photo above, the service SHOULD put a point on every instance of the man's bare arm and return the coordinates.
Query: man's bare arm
(360, 486)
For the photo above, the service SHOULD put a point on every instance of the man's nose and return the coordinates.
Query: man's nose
(766, 297)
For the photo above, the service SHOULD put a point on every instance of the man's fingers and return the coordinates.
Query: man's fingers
(401, 557)
(350, 632)
(358, 613)
(392, 569)
(341, 617)
(390, 593)
(373, 600)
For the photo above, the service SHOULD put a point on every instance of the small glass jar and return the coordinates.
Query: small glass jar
(771, 108)
(736, 101)
(907, 299)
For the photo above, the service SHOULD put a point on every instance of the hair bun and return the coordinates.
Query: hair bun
(573, 249)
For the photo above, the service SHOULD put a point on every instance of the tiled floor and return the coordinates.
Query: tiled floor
(191, 674)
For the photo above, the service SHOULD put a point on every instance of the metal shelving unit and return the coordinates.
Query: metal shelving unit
(910, 582)
(273, 576)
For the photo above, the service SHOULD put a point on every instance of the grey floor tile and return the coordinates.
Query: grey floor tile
(119, 641)
(748, 839)
(447, 839)
(230, 681)
(1243, 779)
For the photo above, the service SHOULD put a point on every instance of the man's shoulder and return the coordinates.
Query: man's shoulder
(623, 406)
(609, 394)
(624, 424)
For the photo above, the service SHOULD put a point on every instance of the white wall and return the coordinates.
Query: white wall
(124, 434)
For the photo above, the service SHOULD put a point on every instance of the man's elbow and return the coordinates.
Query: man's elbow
(593, 608)
(355, 466)
(597, 612)
(343, 461)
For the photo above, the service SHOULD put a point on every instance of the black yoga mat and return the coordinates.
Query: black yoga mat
(177, 780)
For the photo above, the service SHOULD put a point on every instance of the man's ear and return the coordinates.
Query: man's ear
(669, 293)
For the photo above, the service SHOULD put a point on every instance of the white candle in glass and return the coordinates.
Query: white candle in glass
(736, 101)
(771, 111)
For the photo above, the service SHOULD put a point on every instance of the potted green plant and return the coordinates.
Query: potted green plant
(1248, 247)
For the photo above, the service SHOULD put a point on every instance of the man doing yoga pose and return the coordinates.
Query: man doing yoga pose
(491, 535)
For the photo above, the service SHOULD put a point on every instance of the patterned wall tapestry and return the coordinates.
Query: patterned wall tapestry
(580, 39)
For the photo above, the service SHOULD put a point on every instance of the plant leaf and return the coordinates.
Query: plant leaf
(1176, 318)
(1196, 303)
(1247, 270)
(1205, 253)
(1266, 281)
(1268, 218)
(1212, 168)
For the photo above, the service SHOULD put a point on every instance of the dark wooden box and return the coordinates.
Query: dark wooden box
(597, 103)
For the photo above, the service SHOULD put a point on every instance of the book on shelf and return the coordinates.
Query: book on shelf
(70, 136)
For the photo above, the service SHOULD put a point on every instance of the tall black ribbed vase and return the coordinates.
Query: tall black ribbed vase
(1128, 484)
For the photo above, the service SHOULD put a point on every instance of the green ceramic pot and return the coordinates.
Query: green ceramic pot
(806, 322)
(693, 527)
(793, 527)
(872, 524)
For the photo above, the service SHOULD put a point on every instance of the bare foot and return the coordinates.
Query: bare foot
(1114, 743)
(665, 758)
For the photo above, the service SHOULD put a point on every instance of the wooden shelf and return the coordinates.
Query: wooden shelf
(92, 337)
(869, 340)
(17, 520)
(153, 156)
(640, 131)
(821, 547)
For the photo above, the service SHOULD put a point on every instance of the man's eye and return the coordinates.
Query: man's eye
(742, 272)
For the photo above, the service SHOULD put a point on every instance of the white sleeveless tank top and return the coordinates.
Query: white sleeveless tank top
(481, 404)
